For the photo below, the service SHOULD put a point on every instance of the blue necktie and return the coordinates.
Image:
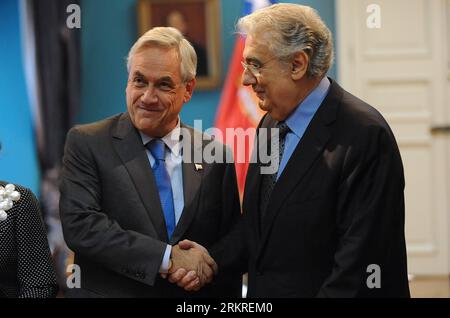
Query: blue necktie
(157, 149)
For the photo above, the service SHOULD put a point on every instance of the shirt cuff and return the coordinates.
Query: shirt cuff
(165, 262)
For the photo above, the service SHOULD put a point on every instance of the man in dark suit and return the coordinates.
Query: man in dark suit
(330, 221)
(128, 195)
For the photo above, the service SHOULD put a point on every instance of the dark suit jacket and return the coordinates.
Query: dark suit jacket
(112, 217)
(337, 207)
(26, 268)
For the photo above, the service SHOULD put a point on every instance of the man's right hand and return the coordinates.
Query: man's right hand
(192, 266)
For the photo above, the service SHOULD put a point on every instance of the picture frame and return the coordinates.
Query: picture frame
(199, 21)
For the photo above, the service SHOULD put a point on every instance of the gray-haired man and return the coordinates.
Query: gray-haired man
(330, 222)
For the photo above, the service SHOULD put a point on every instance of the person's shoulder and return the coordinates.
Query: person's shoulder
(91, 135)
(354, 114)
(96, 129)
(26, 195)
(18, 187)
(361, 125)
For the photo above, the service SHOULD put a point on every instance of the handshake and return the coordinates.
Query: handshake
(191, 266)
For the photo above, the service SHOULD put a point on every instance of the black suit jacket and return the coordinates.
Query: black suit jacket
(112, 217)
(337, 208)
(26, 268)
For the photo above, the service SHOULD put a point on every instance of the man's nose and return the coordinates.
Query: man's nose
(248, 78)
(149, 95)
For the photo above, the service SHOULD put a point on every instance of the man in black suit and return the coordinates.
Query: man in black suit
(330, 221)
(128, 195)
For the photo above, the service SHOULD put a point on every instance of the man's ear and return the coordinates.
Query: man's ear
(299, 65)
(190, 85)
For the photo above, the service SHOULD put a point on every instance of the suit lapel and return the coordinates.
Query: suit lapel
(192, 180)
(307, 151)
(254, 178)
(130, 149)
(251, 198)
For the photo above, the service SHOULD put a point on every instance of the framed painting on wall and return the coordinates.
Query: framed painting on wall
(198, 21)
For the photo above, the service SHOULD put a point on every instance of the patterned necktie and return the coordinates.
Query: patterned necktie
(269, 180)
(157, 148)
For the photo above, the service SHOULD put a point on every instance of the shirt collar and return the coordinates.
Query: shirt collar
(308, 107)
(172, 139)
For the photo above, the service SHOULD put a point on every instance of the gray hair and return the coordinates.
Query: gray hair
(169, 38)
(290, 28)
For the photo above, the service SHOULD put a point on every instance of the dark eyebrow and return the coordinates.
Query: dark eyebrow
(137, 73)
(252, 60)
(166, 79)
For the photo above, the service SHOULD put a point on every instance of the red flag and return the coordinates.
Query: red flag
(238, 108)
